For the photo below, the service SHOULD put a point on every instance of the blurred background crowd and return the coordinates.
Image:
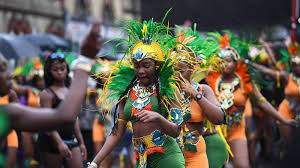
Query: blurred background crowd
(32, 29)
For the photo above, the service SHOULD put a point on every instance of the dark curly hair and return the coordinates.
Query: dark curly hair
(49, 80)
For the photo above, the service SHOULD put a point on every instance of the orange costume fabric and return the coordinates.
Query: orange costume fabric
(291, 89)
(33, 99)
(199, 158)
(240, 97)
(98, 131)
(12, 138)
(248, 109)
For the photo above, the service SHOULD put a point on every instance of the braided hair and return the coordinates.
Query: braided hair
(131, 84)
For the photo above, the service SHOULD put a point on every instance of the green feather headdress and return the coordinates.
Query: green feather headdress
(190, 48)
(291, 53)
(122, 73)
(237, 46)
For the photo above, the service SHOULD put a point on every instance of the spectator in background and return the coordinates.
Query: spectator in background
(65, 145)
(54, 28)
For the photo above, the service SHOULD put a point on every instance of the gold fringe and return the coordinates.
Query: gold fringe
(219, 131)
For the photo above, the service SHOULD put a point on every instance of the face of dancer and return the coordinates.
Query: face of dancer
(145, 71)
(230, 65)
(59, 71)
(5, 77)
(184, 70)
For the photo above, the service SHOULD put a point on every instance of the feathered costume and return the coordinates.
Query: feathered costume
(190, 49)
(144, 41)
(289, 108)
(235, 94)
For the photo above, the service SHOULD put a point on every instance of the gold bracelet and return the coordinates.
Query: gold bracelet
(262, 99)
(278, 79)
(120, 119)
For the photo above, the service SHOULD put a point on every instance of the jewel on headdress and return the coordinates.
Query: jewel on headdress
(139, 54)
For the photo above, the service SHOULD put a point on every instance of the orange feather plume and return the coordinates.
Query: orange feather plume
(293, 49)
(224, 41)
(37, 64)
(180, 36)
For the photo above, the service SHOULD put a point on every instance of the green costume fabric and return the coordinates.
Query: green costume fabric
(172, 157)
(216, 151)
(4, 129)
(154, 103)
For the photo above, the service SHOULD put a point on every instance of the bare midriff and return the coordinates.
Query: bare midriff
(141, 128)
(192, 126)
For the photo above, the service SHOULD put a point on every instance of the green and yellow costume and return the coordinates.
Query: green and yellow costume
(145, 41)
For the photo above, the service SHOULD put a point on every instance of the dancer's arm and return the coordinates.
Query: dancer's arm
(208, 103)
(268, 108)
(113, 139)
(281, 75)
(35, 119)
(168, 127)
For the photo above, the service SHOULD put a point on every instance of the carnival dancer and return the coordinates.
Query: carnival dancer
(232, 87)
(290, 106)
(194, 58)
(147, 96)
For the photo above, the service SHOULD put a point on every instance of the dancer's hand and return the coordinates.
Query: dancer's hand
(92, 43)
(64, 151)
(189, 90)
(292, 123)
(83, 151)
(148, 116)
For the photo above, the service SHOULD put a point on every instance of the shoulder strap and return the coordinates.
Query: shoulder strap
(55, 98)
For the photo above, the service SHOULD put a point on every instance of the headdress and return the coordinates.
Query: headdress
(291, 53)
(190, 48)
(231, 45)
(144, 41)
(33, 67)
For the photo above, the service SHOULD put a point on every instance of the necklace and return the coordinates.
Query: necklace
(297, 80)
(226, 90)
(143, 95)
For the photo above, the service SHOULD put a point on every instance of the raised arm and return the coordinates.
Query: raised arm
(278, 75)
(270, 52)
(113, 139)
(268, 108)
(34, 119)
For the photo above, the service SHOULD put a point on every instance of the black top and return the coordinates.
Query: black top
(67, 131)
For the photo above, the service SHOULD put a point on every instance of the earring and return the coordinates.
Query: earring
(156, 67)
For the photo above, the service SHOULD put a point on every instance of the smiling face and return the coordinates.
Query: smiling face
(145, 71)
(5, 77)
(230, 65)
